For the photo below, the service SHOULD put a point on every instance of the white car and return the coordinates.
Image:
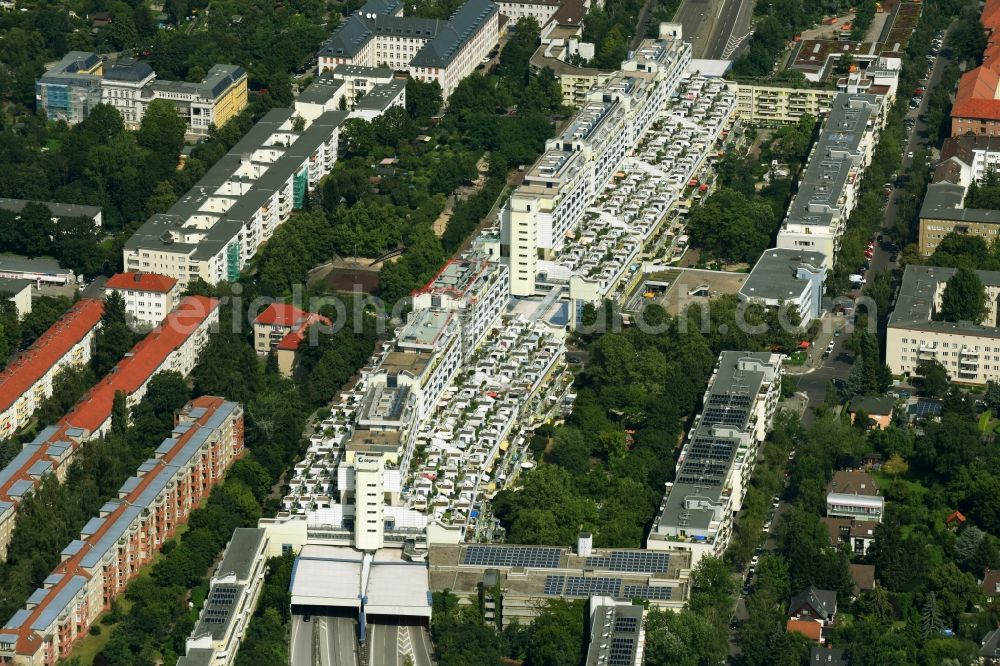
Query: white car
(857, 278)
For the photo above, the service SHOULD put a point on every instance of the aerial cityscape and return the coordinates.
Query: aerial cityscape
(514, 332)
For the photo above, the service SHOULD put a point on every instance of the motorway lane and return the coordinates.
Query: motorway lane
(382, 645)
(420, 640)
(301, 642)
(726, 24)
(338, 641)
(695, 17)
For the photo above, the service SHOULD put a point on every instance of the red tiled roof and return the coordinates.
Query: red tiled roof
(294, 338)
(28, 638)
(808, 628)
(991, 15)
(141, 362)
(280, 314)
(141, 282)
(52, 345)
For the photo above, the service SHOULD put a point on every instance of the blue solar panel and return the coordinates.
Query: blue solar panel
(650, 593)
(554, 585)
(636, 561)
(578, 586)
(512, 556)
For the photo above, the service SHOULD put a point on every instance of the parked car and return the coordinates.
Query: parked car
(857, 278)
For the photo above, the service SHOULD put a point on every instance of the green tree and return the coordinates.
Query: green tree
(161, 133)
(933, 378)
(964, 297)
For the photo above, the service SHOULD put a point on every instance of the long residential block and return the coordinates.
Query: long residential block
(124, 537)
(829, 187)
(578, 163)
(714, 468)
(174, 345)
(232, 598)
(28, 380)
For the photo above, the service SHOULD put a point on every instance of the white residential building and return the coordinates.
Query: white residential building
(428, 49)
(581, 160)
(968, 351)
(148, 297)
(829, 186)
(232, 597)
(715, 464)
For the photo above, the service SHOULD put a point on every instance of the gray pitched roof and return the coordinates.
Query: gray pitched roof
(824, 602)
(129, 69)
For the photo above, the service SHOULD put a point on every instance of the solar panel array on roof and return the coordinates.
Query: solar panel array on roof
(631, 561)
(622, 650)
(215, 616)
(224, 595)
(512, 556)
(626, 625)
(578, 586)
(648, 592)
(554, 585)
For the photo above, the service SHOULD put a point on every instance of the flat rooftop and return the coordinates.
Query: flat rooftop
(915, 302)
(774, 277)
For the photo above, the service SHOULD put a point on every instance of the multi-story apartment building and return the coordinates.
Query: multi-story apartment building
(71, 88)
(60, 211)
(214, 229)
(232, 596)
(81, 81)
(579, 162)
(281, 328)
(131, 85)
(476, 288)
(127, 534)
(828, 190)
(777, 105)
(359, 80)
(969, 352)
(713, 471)
(540, 10)
(28, 379)
(788, 277)
(174, 346)
(942, 212)
(526, 577)
(964, 160)
(148, 297)
(429, 49)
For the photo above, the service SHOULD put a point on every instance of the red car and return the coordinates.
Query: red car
(918, 91)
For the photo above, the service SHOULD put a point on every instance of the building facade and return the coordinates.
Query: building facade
(126, 535)
(715, 464)
(788, 278)
(40, 271)
(428, 49)
(148, 297)
(71, 88)
(173, 346)
(969, 352)
(776, 105)
(829, 186)
(28, 380)
(232, 597)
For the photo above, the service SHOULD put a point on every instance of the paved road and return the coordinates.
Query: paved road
(301, 642)
(709, 24)
(338, 645)
(420, 641)
(383, 640)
